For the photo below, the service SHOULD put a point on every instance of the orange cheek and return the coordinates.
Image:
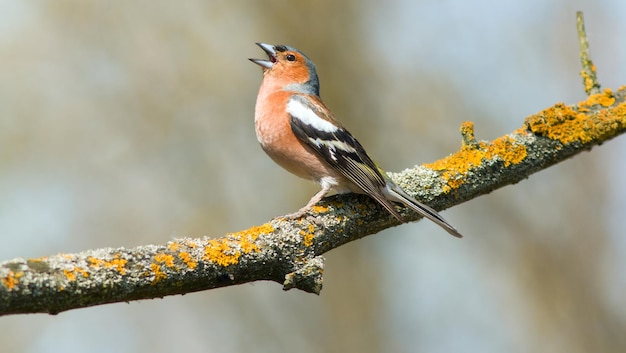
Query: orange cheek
(299, 73)
(287, 74)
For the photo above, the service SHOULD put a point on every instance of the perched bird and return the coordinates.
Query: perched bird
(299, 132)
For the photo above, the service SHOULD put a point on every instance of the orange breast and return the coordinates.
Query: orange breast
(273, 130)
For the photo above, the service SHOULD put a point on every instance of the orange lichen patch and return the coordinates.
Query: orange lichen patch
(325, 209)
(158, 274)
(221, 252)
(248, 247)
(567, 125)
(166, 259)
(161, 259)
(320, 209)
(505, 149)
(461, 161)
(620, 111)
(227, 251)
(118, 263)
(605, 99)
(607, 123)
(12, 279)
(81, 271)
(561, 123)
(456, 165)
(467, 132)
(186, 258)
(95, 262)
(473, 153)
(307, 237)
(254, 232)
(173, 246)
(71, 274)
(467, 129)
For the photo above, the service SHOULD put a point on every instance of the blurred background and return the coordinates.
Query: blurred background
(127, 123)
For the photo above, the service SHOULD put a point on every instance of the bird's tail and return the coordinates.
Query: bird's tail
(394, 193)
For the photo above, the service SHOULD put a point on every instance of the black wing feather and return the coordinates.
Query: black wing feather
(354, 164)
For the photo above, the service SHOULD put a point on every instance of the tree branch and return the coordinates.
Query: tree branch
(588, 73)
(289, 252)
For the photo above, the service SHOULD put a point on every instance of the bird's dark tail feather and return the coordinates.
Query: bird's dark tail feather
(395, 193)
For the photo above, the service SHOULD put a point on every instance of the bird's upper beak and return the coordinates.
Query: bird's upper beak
(271, 53)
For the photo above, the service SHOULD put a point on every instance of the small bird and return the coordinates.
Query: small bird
(300, 133)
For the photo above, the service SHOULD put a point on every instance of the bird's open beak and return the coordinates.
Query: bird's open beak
(271, 53)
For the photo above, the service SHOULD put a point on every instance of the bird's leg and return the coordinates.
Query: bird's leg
(315, 199)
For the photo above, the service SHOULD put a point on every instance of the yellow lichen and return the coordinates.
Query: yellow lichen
(158, 274)
(186, 258)
(567, 125)
(248, 247)
(320, 209)
(473, 153)
(12, 279)
(82, 271)
(505, 149)
(118, 263)
(220, 252)
(161, 259)
(227, 251)
(72, 274)
(307, 237)
(560, 123)
(183, 255)
(467, 132)
(454, 166)
(605, 99)
(620, 112)
(166, 259)
(254, 232)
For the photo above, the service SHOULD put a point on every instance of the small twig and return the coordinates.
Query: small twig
(588, 73)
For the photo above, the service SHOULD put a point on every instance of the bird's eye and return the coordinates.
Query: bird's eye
(290, 57)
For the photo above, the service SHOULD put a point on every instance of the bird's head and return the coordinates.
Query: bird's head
(289, 67)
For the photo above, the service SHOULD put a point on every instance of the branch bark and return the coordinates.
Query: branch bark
(290, 252)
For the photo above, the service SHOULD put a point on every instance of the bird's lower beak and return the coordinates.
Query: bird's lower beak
(271, 53)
